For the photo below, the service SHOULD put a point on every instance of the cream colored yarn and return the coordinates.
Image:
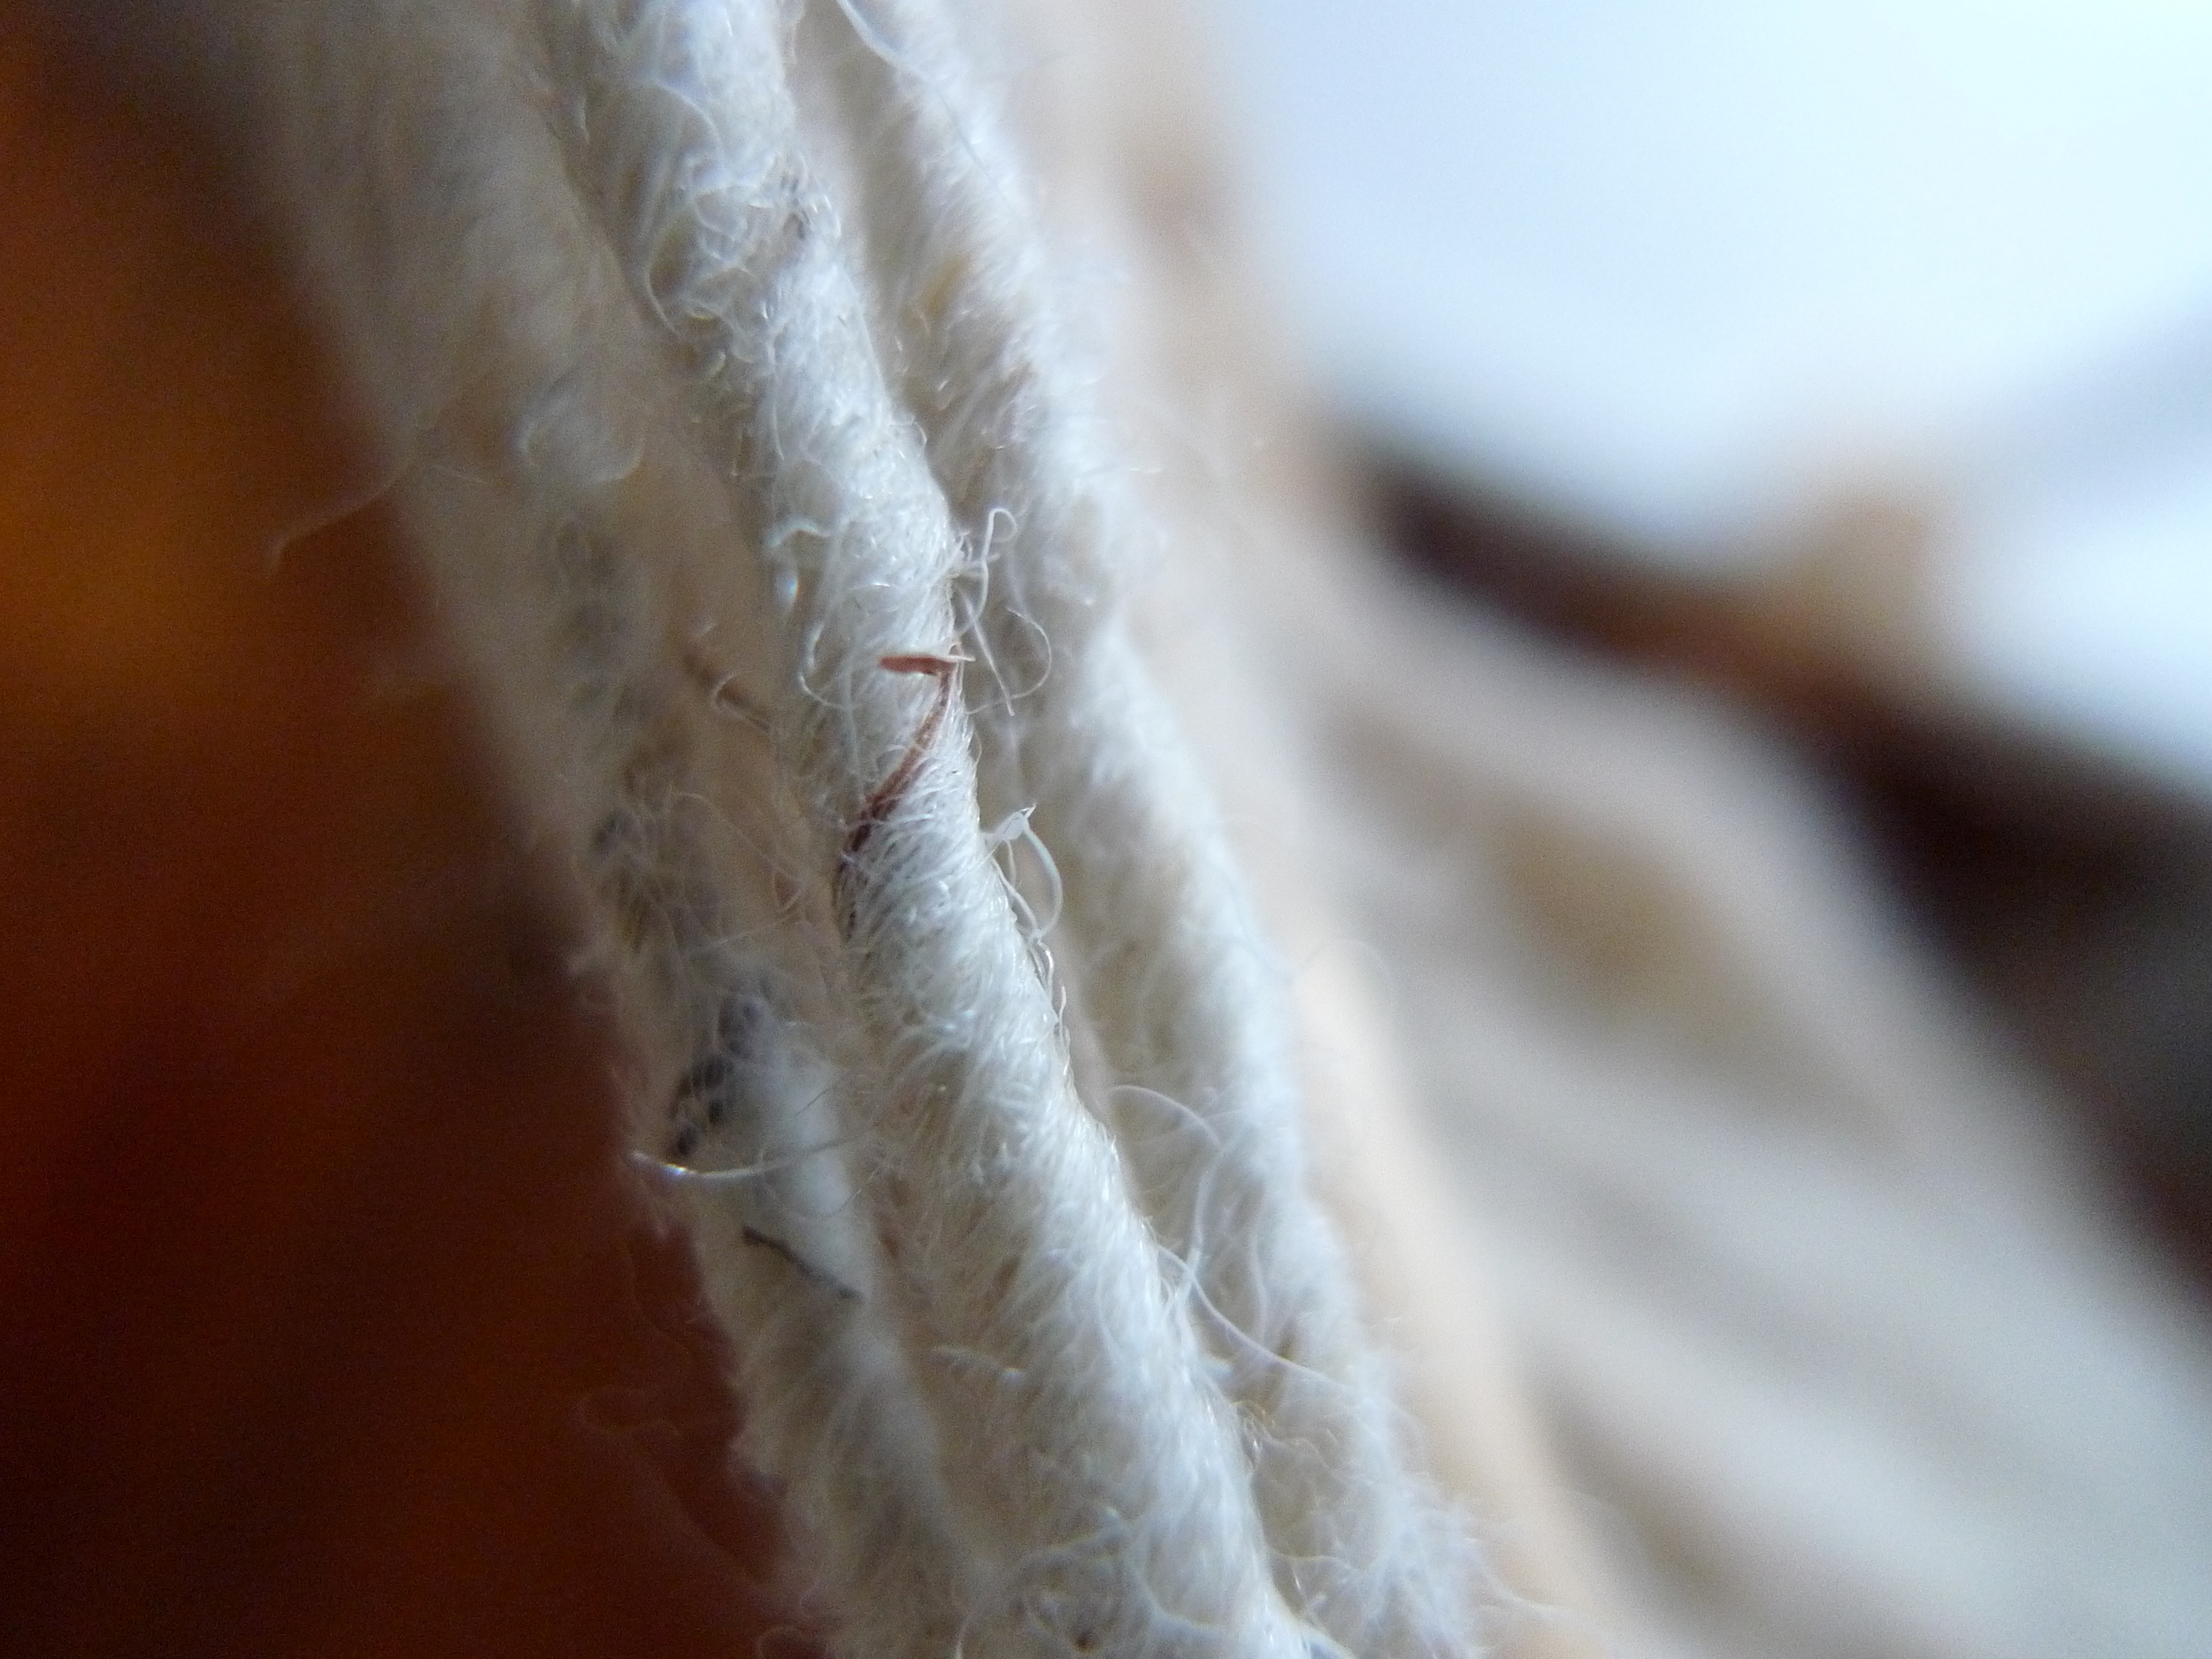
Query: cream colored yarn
(855, 475)
(718, 351)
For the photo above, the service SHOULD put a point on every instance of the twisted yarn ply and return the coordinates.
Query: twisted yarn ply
(718, 355)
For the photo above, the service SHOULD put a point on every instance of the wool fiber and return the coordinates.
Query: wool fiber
(718, 352)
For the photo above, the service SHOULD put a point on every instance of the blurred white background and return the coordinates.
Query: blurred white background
(1684, 272)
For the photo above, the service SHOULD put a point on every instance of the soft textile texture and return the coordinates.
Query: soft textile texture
(1033, 845)
(719, 354)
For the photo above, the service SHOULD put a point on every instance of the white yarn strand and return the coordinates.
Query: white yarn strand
(1188, 1002)
(1080, 1435)
(521, 490)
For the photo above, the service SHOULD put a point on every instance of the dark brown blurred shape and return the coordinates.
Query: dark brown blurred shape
(2074, 891)
(332, 1320)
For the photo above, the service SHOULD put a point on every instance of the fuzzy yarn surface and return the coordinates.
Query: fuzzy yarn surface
(720, 361)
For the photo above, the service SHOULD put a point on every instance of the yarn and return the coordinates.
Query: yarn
(718, 359)
(731, 405)
(1188, 1008)
(1065, 1392)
